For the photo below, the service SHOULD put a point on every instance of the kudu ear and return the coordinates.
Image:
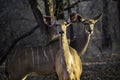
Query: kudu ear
(97, 18)
(62, 22)
(80, 18)
(47, 20)
(73, 17)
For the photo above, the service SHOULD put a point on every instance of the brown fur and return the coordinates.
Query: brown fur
(68, 64)
(81, 41)
(61, 68)
(38, 60)
(20, 61)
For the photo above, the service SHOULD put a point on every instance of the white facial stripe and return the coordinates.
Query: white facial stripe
(38, 55)
(32, 56)
(15, 52)
(45, 55)
(51, 52)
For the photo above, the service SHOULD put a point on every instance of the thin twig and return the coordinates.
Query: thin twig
(74, 4)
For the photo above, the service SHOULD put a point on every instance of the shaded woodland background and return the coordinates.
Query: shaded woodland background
(102, 59)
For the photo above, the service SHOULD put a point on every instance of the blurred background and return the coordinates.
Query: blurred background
(102, 58)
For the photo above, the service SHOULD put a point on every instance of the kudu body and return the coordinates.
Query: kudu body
(81, 41)
(68, 64)
(36, 60)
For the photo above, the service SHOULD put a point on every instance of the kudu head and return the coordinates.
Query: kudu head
(60, 25)
(89, 23)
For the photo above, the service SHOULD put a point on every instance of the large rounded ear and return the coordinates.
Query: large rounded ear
(62, 22)
(97, 18)
(73, 17)
(47, 20)
(80, 18)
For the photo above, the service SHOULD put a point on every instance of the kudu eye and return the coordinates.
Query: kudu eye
(60, 32)
(86, 24)
(55, 25)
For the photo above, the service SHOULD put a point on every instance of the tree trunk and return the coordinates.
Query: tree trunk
(47, 11)
(71, 26)
(59, 9)
(106, 38)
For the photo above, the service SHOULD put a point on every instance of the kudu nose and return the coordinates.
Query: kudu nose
(90, 31)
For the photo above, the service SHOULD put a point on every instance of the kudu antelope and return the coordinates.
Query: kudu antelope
(37, 60)
(68, 64)
(81, 41)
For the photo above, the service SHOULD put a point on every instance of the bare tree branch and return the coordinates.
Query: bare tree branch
(37, 14)
(74, 4)
(39, 19)
(47, 11)
(7, 52)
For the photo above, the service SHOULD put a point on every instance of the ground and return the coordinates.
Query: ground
(106, 69)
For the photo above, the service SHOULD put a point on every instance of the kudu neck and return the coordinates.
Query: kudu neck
(86, 36)
(85, 42)
(65, 49)
(64, 45)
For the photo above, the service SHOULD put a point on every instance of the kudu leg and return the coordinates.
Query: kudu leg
(24, 78)
(18, 77)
